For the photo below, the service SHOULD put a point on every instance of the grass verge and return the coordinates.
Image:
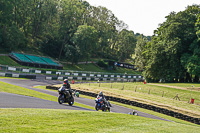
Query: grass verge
(6, 60)
(147, 111)
(140, 92)
(49, 120)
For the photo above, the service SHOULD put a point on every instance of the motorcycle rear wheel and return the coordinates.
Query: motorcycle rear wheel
(71, 101)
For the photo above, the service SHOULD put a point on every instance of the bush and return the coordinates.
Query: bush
(101, 63)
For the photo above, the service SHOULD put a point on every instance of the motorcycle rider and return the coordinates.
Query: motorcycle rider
(103, 98)
(66, 85)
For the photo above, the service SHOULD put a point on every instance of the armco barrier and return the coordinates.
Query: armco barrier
(141, 105)
(93, 79)
(81, 74)
(18, 75)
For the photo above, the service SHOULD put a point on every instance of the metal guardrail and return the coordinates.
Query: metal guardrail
(70, 73)
(17, 75)
(94, 79)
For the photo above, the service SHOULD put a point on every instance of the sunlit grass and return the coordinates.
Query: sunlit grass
(49, 120)
(149, 94)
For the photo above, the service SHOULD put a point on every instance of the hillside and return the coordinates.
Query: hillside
(5, 60)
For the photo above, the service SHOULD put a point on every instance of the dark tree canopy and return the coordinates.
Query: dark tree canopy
(64, 29)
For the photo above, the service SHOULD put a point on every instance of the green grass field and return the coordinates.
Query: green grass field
(50, 120)
(5, 60)
(150, 94)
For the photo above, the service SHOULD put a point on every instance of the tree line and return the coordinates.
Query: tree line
(74, 30)
(64, 29)
(173, 54)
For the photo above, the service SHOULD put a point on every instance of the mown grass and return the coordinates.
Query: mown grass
(140, 92)
(184, 85)
(49, 120)
(9, 88)
(147, 111)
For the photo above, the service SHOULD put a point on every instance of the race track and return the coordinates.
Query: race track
(8, 100)
(18, 101)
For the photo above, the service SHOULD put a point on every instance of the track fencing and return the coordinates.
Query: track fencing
(76, 75)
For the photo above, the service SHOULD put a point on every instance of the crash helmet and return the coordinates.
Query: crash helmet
(134, 112)
(100, 93)
(65, 81)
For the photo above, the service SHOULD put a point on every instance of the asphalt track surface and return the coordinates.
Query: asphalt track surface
(8, 100)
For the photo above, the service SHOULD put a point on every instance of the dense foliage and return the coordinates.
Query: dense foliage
(74, 30)
(69, 29)
(173, 54)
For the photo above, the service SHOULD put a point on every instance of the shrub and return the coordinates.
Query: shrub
(101, 63)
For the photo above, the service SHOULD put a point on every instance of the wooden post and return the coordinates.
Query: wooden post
(149, 91)
(135, 88)
(162, 93)
(176, 97)
(99, 84)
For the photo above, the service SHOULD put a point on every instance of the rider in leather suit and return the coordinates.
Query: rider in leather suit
(103, 98)
(66, 85)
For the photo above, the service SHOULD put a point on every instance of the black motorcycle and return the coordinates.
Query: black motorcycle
(101, 106)
(64, 96)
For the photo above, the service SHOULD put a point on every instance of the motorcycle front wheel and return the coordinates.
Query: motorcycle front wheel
(60, 99)
(97, 107)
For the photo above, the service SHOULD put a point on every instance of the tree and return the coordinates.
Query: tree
(126, 44)
(170, 44)
(140, 50)
(86, 38)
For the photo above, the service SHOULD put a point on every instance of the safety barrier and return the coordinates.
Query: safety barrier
(17, 75)
(77, 75)
(141, 105)
(94, 79)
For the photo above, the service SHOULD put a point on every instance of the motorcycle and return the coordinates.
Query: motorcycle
(101, 106)
(64, 96)
(76, 94)
(133, 113)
